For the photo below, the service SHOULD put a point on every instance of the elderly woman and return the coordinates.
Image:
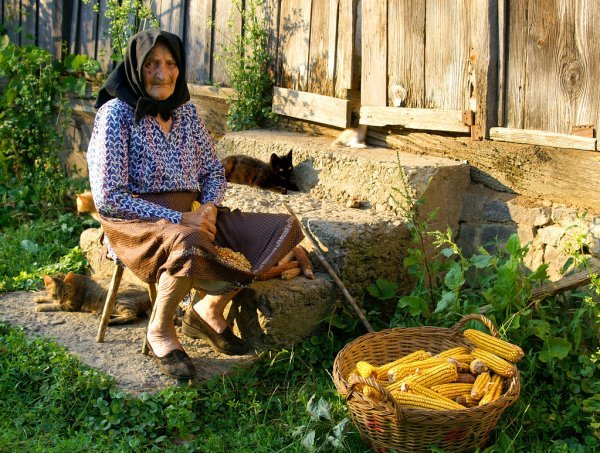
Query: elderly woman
(149, 159)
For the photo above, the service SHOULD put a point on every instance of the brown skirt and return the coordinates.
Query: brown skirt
(150, 247)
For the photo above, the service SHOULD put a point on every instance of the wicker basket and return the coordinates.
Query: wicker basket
(387, 426)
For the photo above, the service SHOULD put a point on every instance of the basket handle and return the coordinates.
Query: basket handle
(474, 317)
(388, 400)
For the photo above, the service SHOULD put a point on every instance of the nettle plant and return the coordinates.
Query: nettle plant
(248, 68)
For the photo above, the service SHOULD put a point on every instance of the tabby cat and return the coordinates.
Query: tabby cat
(275, 176)
(74, 292)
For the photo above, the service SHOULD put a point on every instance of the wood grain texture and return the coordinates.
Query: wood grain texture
(268, 13)
(406, 52)
(11, 13)
(516, 63)
(73, 44)
(426, 119)
(446, 54)
(104, 48)
(198, 41)
(322, 50)
(228, 27)
(294, 42)
(28, 22)
(346, 30)
(374, 53)
(87, 24)
(542, 138)
(311, 107)
(50, 28)
(171, 16)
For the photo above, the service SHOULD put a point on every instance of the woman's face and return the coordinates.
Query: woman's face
(159, 72)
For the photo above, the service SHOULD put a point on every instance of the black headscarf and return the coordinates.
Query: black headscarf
(126, 83)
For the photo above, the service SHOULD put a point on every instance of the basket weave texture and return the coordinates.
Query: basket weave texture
(384, 424)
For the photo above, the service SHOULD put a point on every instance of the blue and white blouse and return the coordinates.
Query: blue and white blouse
(125, 159)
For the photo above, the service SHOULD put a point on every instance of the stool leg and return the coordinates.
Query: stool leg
(109, 304)
(152, 294)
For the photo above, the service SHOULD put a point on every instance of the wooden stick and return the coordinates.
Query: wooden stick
(564, 284)
(335, 277)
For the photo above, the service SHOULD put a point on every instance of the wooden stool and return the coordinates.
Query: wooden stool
(111, 299)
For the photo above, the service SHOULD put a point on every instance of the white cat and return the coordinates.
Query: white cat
(353, 137)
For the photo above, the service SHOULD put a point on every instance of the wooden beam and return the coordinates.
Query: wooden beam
(311, 107)
(427, 119)
(531, 137)
(565, 284)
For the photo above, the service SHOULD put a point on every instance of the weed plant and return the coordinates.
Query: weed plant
(559, 406)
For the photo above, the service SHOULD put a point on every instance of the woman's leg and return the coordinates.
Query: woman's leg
(170, 292)
(210, 308)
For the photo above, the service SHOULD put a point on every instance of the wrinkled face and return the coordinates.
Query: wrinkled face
(160, 72)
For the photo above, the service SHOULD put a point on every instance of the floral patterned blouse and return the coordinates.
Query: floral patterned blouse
(125, 159)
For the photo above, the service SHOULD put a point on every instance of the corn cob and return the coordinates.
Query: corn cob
(372, 392)
(453, 351)
(495, 363)
(276, 271)
(232, 258)
(501, 348)
(286, 259)
(365, 369)
(291, 273)
(468, 358)
(382, 371)
(480, 385)
(493, 391)
(305, 263)
(424, 391)
(400, 371)
(422, 402)
(452, 390)
(465, 378)
(439, 374)
(460, 366)
(466, 400)
(195, 205)
(477, 366)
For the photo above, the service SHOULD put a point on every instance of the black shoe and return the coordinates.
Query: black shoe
(225, 342)
(175, 364)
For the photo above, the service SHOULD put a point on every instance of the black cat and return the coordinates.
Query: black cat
(275, 176)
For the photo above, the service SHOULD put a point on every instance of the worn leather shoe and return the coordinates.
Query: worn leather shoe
(225, 342)
(176, 364)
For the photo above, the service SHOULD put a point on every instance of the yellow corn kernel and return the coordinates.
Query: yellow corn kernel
(439, 374)
(423, 402)
(233, 258)
(400, 371)
(365, 369)
(480, 385)
(493, 390)
(477, 366)
(452, 390)
(495, 363)
(453, 351)
(468, 358)
(195, 205)
(501, 348)
(466, 400)
(420, 390)
(372, 392)
(382, 371)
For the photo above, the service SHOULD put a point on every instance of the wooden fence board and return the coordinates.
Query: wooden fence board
(198, 41)
(88, 23)
(406, 53)
(268, 14)
(11, 12)
(28, 22)
(50, 27)
(344, 79)
(374, 53)
(322, 55)
(545, 138)
(446, 54)
(74, 28)
(516, 63)
(426, 119)
(225, 12)
(294, 39)
(171, 16)
(104, 48)
(311, 107)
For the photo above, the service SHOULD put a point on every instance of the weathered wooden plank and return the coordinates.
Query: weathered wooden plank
(50, 27)
(104, 48)
(374, 53)
(502, 55)
(171, 16)
(228, 27)
(483, 67)
(294, 40)
(346, 30)
(311, 107)
(268, 13)
(545, 138)
(198, 41)
(88, 24)
(406, 53)
(73, 44)
(427, 119)
(322, 52)
(516, 64)
(564, 284)
(446, 54)
(28, 22)
(12, 12)
(536, 171)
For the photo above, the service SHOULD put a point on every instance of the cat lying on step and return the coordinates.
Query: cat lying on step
(74, 292)
(353, 137)
(275, 176)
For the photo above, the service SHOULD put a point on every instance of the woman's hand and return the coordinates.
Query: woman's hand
(205, 218)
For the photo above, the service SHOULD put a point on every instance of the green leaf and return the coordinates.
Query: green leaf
(513, 245)
(448, 298)
(319, 410)
(481, 261)
(4, 42)
(454, 278)
(447, 252)
(416, 305)
(539, 328)
(382, 289)
(555, 348)
(567, 265)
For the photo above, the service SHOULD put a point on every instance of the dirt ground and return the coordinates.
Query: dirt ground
(120, 354)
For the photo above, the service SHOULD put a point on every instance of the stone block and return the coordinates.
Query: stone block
(551, 235)
(473, 200)
(495, 234)
(523, 213)
(496, 211)
(468, 239)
